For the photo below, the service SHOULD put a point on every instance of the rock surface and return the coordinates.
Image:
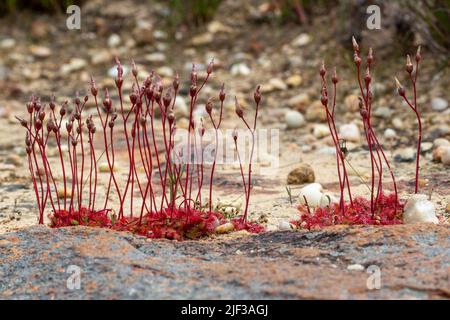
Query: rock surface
(283, 265)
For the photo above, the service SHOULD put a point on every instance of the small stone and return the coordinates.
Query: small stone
(62, 194)
(40, 51)
(447, 208)
(275, 84)
(202, 39)
(445, 158)
(218, 27)
(155, 57)
(160, 35)
(351, 102)
(397, 123)
(75, 64)
(419, 209)
(439, 104)
(181, 108)
(298, 101)
(165, 72)
(303, 173)
(441, 142)
(316, 113)
(266, 159)
(313, 194)
(294, 119)
(100, 57)
(439, 152)
(7, 43)
(405, 155)
(240, 69)
(320, 131)
(349, 132)
(294, 81)
(284, 225)
(355, 267)
(104, 167)
(114, 40)
(383, 112)
(390, 133)
(15, 160)
(426, 146)
(143, 32)
(301, 40)
(39, 29)
(225, 228)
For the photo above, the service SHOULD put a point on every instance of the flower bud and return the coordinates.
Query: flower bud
(209, 69)
(238, 109)
(134, 70)
(334, 78)
(222, 93)
(133, 98)
(176, 82)
(322, 70)
(167, 98)
(111, 124)
(235, 135)
(209, 106)
(30, 107)
(52, 103)
(400, 89)
(74, 142)
(355, 44)
(409, 66)
(62, 111)
(41, 115)
(418, 54)
(171, 117)
(69, 126)
(257, 94)
(38, 124)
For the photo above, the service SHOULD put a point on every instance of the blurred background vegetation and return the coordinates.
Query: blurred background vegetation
(428, 18)
(53, 6)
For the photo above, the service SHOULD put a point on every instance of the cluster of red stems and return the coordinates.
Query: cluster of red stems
(168, 197)
(382, 208)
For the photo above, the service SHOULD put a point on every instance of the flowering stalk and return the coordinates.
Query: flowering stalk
(402, 92)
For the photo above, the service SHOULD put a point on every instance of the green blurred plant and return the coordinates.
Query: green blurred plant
(432, 21)
(192, 12)
(11, 6)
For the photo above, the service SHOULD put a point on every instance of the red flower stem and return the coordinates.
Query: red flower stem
(95, 172)
(155, 145)
(46, 168)
(216, 128)
(365, 99)
(111, 169)
(72, 173)
(389, 168)
(35, 187)
(58, 143)
(419, 121)
(130, 172)
(241, 169)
